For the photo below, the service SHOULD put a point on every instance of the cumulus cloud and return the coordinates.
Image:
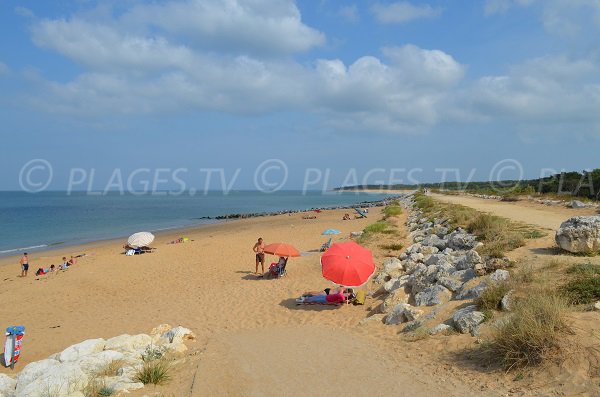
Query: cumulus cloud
(542, 91)
(403, 11)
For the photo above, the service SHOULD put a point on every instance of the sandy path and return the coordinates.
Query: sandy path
(547, 217)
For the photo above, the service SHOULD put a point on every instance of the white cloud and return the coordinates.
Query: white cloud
(403, 11)
(349, 13)
(542, 91)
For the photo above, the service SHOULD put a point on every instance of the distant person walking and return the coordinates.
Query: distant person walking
(24, 264)
(259, 250)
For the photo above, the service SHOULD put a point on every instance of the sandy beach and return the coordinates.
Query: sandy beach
(252, 339)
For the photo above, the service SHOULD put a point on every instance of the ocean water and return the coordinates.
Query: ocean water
(49, 219)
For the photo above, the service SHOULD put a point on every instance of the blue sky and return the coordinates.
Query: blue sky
(333, 85)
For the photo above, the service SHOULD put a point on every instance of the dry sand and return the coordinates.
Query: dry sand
(252, 339)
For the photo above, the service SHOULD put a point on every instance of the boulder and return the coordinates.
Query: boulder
(464, 275)
(469, 260)
(467, 319)
(576, 204)
(451, 283)
(72, 353)
(438, 259)
(402, 313)
(128, 342)
(461, 240)
(382, 278)
(506, 302)
(34, 370)
(418, 257)
(434, 241)
(439, 329)
(375, 318)
(396, 297)
(95, 362)
(433, 295)
(472, 293)
(428, 250)
(596, 306)
(579, 234)
(7, 385)
(59, 381)
(392, 264)
(500, 275)
(395, 283)
(123, 384)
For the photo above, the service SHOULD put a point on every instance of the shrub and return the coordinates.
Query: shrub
(532, 334)
(155, 372)
(392, 210)
(583, 289)
(492, 296)
(584, 269)
(97, 388)
(111, 368)
(378, 227)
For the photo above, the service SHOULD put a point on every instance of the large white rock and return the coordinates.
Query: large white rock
(178, 335)
(73, 353)
(434, 295)
(33, 371)
(59, 381)
(92, 363)
(579, 234)
(500, 275)
(401, 313)
(7, 385)
(128, 342)
(391, 264)
(123, 384)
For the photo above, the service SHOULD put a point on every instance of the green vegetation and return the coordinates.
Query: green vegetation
(153, 353)
(392, 247)
(392, 210)
(498, 234)
(532, 334)
(584, 287)
(492, 296)
(377, 227)
(97, 388)
(155, 372)
(111, 368)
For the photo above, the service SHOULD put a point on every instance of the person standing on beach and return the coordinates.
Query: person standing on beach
(24, 264)
(259, 250)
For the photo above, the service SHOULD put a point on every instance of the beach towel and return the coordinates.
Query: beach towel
(360, 297)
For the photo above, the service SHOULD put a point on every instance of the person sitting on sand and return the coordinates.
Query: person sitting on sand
(65, 264)
(72, 261)
(346, 217)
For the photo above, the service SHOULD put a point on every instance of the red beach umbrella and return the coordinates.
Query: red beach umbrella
(347, 264)
(281, 249)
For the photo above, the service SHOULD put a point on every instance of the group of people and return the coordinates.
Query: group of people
(24, 262)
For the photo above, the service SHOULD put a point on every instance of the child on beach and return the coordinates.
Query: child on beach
(24, 264)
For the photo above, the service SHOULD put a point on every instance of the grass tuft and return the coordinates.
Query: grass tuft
(492, 296)
(97, 388)
(377, 227)
(533, 334)
(155, 372)
(392, 210)
(111, 368)
(392, 247)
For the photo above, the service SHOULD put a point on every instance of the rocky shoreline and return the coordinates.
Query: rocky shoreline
(442, 265)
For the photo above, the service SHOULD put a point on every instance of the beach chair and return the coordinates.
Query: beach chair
(325, 246)
(277, 270)
(361, 213)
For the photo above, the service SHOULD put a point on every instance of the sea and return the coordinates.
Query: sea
(48, 220)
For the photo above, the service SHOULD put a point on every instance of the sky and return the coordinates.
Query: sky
(290, 94)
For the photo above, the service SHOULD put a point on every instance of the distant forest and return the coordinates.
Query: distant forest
(584, 185)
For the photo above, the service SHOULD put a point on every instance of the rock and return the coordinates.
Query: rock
(178, 335)
(161, 329)
(579, 234)
(464, 275)
(500, 275)
(596, 306)
(433, 295)
(391, 264)
(413, 249)
(58, 381)
(95, 362)
(434, 241)
(403, 256)
(33, 371)
(428, 250)
(467, 319)
(461, 240)
(396, 297)
(375, 318)
(479, 269)
(7, 385)
(382, 278)
(395, 283)
(472, 293)
(445, 270)
(401, 313)
(437, 259)
(439, 328)
(128, 342)
(418, 257)
(122, 384)
(492, 264)
(72, 353)
(450, 283)
(416, 269)
(576, 204)
(469, 260)
(506, 302)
